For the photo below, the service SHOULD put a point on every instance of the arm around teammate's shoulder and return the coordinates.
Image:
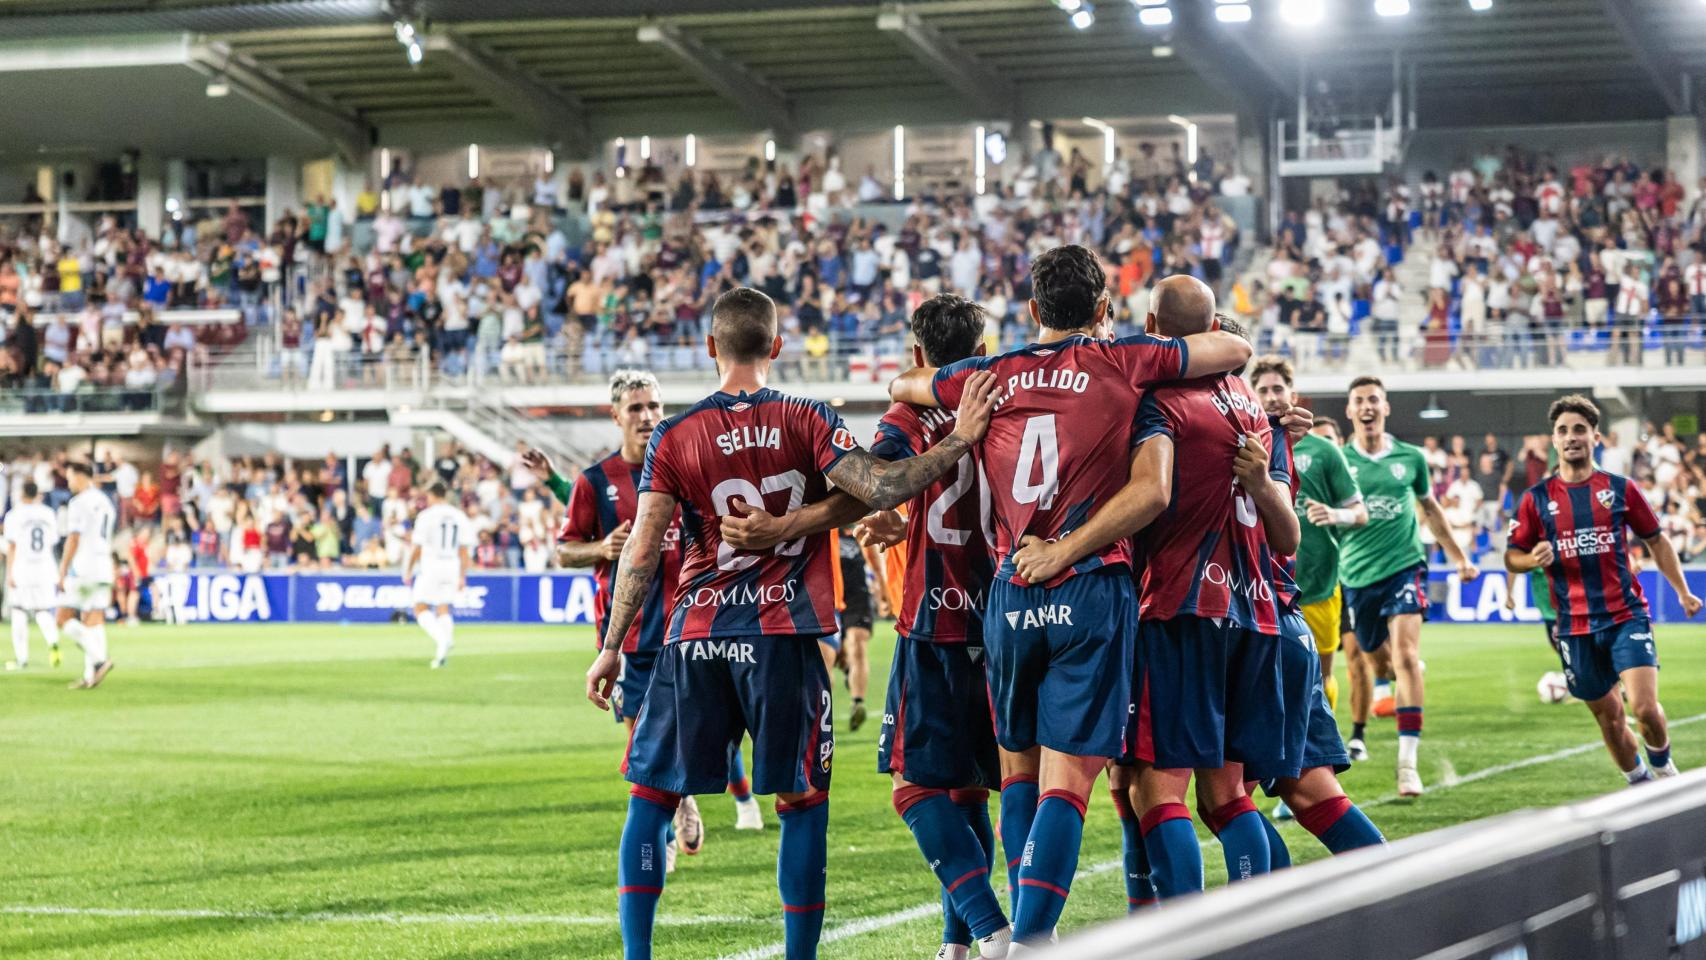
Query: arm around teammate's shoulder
(1216, 351)
(887, 484)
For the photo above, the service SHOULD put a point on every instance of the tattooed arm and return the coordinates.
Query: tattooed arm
(885, 484)
(634, 573)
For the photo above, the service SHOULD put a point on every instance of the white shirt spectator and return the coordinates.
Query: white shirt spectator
(125, 477)
(421, 198)
(377, 476)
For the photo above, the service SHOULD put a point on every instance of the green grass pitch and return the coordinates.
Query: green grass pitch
(290, 791)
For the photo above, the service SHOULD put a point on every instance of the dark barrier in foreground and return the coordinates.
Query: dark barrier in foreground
(1618, 878)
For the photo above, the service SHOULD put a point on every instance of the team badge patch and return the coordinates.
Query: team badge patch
(1399, 471)
(843, 439)
(740, 407)
(1605, 497)
(610, 491)
(1551, 506)
(1303, 462)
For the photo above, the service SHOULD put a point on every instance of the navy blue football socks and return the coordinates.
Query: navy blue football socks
(1340, 825)
(1279, 855)
(738, 784)
(974, 806)
(952, 849)
(1018, 809)
(1050, 859)
(1659, 757)
(640, 867)
(1243, 838)
(1175, 858)
(1139, 890)
(800, 866)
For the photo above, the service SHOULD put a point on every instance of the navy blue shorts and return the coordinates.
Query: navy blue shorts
(706, 694)
(1369, 607)
(1311, 733)
(1207, 695)
(937, 729)
(1060, 662)
(1594, 662)
(635, 678)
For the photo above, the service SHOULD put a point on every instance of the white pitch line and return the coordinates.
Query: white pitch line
(923, 910)
(401, 919)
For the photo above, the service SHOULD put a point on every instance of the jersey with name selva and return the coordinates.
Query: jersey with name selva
(766, 449)
(442, 532)
(34, 531)
(948, 569)
(605, 496)
(1064, 413)
(91, 516)
(1325, 478)
(1391, 481)
(1587, 524)
(1207, 552)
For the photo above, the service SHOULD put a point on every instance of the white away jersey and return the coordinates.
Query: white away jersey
(91, 516)
(441, 531)
(34, 530)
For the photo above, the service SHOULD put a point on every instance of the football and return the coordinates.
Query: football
(1553, 688)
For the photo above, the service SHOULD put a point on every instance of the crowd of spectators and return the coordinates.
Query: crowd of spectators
(1477, 483)
(1526, 259)
(267, 513)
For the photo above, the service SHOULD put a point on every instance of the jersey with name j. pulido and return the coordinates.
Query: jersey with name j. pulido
(1208, 553)
(770, 450)
(605, 496)
(948, 565)
(1587, 523)
(1054, 452)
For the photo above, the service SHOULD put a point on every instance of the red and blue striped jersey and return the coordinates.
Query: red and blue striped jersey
(1208, 553)
(604, 497)
(1063, 408)
(1592, 585)
(767, 449)
(948, 564)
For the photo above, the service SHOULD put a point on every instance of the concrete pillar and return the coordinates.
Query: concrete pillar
(284, 188)
(150, 193)
(347, 181)
(1683, 152)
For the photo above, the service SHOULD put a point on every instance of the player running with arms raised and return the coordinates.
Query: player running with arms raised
(1060, 650)
(1384, 568)
(741, 650)
(31, 531)
(1573, 525)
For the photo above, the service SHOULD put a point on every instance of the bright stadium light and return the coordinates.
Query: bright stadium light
(645, 148)
(1480, 6)
(385, 163)
(1392, 8)
(1161, 51)
(1069, 6)
(1108, 141)
(1155, 16)
(1433, 411)
(1084, 19)
(899, 162)
(1303, 13)
(691, 155)
(769, 150)
(550, 161)
(218, 87)
(1232, 13)
(1149, 3)
(415, 54)
(1190, 141)
(473, 160)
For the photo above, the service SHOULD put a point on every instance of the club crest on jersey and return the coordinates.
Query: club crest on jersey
(610, 492)
(843, 439)
(1605, 497)
(1303, 462)
(740, 407)
(1551, 506)
(1399, 471)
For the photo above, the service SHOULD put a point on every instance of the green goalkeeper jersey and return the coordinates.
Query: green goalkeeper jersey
(1390, 482)
(1323, 477)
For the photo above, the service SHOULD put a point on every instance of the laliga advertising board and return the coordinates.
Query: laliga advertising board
(1483, 599)
(563, 598)
(233, 597)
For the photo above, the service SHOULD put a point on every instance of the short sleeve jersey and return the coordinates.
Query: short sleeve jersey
(1207, 553)
(442, 532)
(1062, 409)
(34, 531)
(947, 583)
(1391, 541)
(1587, 524)
(91, 516)
(1325, 478)
(605, 496)
(764, 448)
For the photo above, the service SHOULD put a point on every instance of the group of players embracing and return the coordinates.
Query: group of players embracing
(1099, 539)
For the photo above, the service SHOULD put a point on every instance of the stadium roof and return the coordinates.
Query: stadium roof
(521, 71)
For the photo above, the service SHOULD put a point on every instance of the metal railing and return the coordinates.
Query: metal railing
(86, 401)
